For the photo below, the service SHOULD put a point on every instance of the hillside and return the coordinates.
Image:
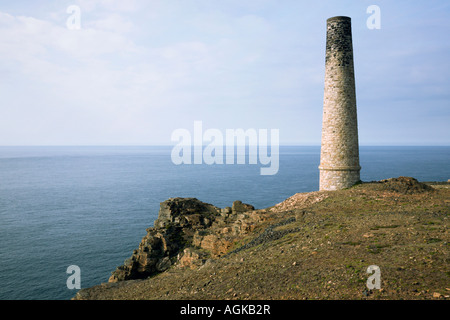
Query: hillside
(315, 245)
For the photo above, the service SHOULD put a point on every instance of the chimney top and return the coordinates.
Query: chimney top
(338, 18)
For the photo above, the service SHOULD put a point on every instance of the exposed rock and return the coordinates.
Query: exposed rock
(300, 200)
(185, 211)
(163, 264)
(437, 295)
(214, 244)
(269, 234)
(186, 233)
(404, 185)
(191, 258)
(238, 206)
(225, 211)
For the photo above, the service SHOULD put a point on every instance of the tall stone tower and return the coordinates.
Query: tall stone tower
(339, 156)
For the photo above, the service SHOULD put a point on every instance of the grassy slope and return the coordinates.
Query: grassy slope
(324, 254)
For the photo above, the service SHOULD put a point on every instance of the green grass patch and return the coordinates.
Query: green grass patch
(433, 240)
(352, 243)
(385, 227)
(376, 248)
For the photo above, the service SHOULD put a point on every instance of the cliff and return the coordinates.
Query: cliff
(313, 245)
(186, 233)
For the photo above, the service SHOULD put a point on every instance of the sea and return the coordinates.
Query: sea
(90, 206)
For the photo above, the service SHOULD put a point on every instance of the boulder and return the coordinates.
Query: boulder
(191, 258)
(238, 207)
(185, 212)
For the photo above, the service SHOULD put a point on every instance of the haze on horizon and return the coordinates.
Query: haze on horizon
(136, 71)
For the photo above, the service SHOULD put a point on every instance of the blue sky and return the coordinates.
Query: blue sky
(138, 70)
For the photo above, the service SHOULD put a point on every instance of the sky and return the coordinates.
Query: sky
(136, 71)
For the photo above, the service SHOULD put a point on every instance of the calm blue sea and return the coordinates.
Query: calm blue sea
(90, 206)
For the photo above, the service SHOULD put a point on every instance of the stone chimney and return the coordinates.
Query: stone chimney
(339, 157)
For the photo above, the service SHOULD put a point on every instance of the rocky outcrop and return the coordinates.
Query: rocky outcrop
(403, 185)
(238, 206)
(187, 233)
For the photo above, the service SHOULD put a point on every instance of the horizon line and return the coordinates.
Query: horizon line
(246, 145)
